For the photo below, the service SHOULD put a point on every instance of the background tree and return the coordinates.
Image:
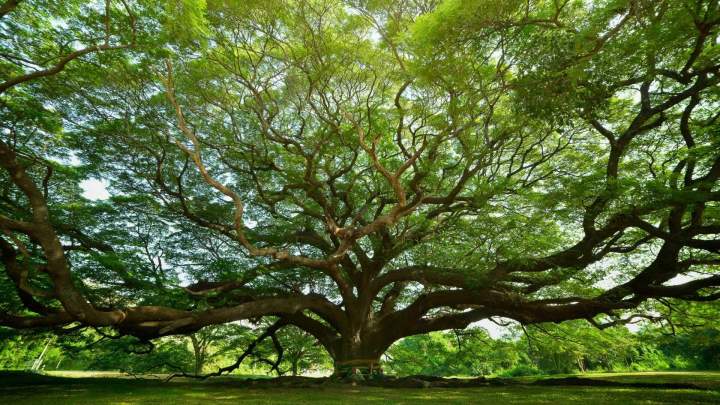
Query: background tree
(302, 353)
(471, 352)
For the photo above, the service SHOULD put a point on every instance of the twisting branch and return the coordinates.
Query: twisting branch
(8, 6)
(60, 65)
(269, 332)
(42, 231)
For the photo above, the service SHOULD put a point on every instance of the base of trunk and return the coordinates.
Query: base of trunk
(358, 369)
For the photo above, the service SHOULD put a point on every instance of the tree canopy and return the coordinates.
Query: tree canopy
(361, 170)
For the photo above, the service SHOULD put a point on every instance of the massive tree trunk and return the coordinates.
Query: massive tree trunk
(359, 358)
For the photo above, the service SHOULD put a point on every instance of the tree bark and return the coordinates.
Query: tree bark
(361, 360)
(199, 351)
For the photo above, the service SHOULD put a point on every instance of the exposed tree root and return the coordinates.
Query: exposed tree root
(422, 381)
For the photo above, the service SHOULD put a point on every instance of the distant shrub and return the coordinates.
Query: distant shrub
(651, 359)
(681, 363)
(521, 371)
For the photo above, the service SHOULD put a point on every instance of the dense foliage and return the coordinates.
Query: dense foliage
(363, 171)
(689, 343)
(197, 354)
(572, 347)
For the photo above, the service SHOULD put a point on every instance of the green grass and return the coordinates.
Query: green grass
(17, 389)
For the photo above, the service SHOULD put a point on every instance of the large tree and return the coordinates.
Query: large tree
(362, 170)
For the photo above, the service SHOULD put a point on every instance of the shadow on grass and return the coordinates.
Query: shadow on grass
(23, 378)
(19, 388)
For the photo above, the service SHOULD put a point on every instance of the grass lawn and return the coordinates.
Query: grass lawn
(102, 388)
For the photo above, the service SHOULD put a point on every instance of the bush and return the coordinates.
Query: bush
(522, 370)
